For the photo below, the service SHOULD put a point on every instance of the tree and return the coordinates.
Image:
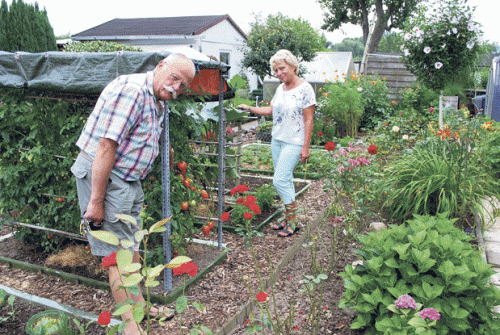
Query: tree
(388, 14)
(279, 32)
(352, 44)
(23, 27)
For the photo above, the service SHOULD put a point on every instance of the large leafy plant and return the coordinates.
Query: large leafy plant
(434, 262)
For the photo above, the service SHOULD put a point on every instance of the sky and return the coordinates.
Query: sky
(76, 16)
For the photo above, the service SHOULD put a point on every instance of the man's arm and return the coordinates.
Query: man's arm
(101, 169)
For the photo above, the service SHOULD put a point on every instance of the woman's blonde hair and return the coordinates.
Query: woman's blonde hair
(284, 56)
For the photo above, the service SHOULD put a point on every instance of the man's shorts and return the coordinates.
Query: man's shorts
(121, 197)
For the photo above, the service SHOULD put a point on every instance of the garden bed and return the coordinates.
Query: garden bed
(223, 291)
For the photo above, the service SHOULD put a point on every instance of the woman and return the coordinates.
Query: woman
(292, 109)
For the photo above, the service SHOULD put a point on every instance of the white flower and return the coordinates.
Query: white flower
(454, 30)
(438, 65)
(407, 52)
(360, 89)
(454, 20)
(443, 46)
(448, 33)
(408, 36)
(405, 137)
(470, 45)
(427, 50)
(472, 27)
(395, 129)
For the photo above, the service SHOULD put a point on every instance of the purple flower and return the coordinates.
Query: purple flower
(405, 301)
(429, 313)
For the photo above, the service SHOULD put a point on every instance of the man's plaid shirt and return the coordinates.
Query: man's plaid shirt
(126, 113)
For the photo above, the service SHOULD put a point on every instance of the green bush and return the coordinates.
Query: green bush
(432, 261)
(342, 102)
(265, 196)
(98, 46)
(441, 174)
(376, 100)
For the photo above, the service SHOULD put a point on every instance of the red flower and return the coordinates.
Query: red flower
(239, 201)
(251, 199)
(104, 318)
(248, 215)
(320, 133)
(234, 191)
(190, 268)
(372, 149)
(261, 296)
(224, 216)
(330, 146)
(242, 188)
(254, 208)
(204, 194)
(431, 109)
(109, 260)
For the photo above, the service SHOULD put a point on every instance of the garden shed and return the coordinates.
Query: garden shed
(392, 68)
(326, 66)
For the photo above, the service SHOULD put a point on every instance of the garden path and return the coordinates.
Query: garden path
(490, 240)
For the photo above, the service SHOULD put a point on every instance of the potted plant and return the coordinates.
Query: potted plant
(264, 131)
(48, 322)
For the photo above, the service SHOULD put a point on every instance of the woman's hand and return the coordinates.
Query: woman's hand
(244, 107)
(304, 154)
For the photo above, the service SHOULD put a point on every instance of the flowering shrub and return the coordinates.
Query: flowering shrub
(376, 100)
(429, 259)
(347, 166)
(407, 320)
(441, 46)
(245, 207)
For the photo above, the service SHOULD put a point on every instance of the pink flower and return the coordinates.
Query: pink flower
(429, 313)
(431, 109)
(405, 301)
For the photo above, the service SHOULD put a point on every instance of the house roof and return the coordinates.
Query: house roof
(159, 26)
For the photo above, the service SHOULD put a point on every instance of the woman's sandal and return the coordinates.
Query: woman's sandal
(280, 226)
(288, 230)
(161, 311)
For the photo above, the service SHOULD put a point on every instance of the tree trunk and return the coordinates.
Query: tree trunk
(377, 34)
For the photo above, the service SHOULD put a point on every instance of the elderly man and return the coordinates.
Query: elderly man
(119, 144)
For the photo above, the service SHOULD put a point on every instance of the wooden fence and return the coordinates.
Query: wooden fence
(390, 67)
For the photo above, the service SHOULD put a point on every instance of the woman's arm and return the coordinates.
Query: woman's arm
(308, 128)
(257, 110)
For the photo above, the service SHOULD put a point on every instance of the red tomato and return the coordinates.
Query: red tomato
(210, 224)
(204, 194)
(187, 181)
(184, 205)
(182, 165)
(192, 188)
(206, 230)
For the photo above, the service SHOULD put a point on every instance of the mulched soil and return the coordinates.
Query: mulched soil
(224, 290)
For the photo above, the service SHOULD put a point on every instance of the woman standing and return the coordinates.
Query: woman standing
(292, 108)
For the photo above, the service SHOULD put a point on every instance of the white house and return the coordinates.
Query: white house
(215, 36)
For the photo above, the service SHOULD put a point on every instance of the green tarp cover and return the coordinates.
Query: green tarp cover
(75, 72)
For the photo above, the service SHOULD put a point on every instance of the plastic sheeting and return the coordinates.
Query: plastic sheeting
(88, 73)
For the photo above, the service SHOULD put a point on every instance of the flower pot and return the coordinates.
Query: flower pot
(48, 322)
(263, 136)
